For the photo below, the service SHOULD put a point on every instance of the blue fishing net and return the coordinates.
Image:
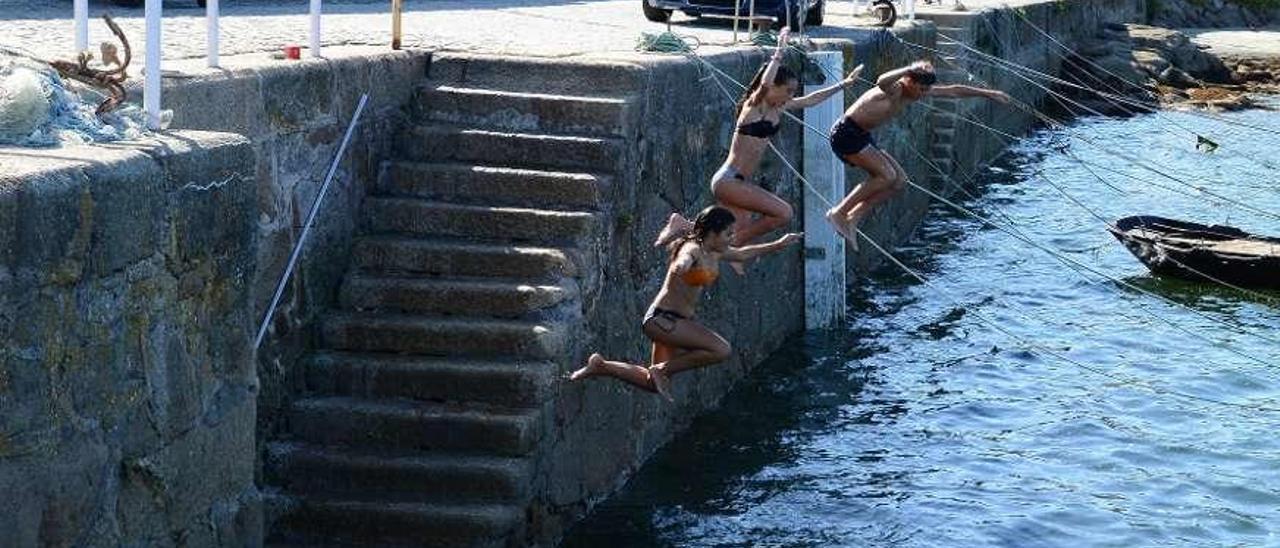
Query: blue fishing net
(39, 109)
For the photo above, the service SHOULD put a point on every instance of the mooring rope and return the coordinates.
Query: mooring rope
(1013, 231)
(992, 323)
(1052, 122)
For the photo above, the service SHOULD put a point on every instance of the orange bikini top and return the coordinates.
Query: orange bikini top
(699, 277)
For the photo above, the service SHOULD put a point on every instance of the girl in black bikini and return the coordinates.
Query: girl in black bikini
(680, 342)
(758, 116)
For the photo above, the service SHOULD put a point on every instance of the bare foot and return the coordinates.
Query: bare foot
(595, 366)
(677, 225)
(843, 227)
(661, 382)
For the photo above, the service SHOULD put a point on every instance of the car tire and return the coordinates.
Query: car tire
(657, 15)
(139, 3)
(816, 14)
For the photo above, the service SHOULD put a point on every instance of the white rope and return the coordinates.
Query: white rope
(1018, 235)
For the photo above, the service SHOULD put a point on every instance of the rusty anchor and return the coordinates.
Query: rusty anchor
(111, 80)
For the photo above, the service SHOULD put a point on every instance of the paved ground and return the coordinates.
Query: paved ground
(1238, 43)
(525, 27)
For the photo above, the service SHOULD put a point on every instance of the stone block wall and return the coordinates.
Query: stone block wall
(1006, 33)
(127, 386)
(682, 125)
(295, 114)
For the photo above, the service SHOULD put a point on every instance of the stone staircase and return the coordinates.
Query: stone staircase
(942, 117)
(432, 384)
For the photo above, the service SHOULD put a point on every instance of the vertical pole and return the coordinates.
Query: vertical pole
(151, 86)
(737, 15)
(315, 28)
(82, 25)
(751, 17)
(211, 22)
(911, 10)
(397, 9)
(824, 263)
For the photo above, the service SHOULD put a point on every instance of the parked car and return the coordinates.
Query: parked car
(139, 3)
(659, 11)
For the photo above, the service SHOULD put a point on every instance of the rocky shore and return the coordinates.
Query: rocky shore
(1160, 65)
(1180, 59)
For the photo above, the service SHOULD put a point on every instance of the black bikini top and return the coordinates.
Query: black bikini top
(762, 128)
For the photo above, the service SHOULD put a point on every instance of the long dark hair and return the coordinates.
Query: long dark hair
(712, 220)
(781, 78)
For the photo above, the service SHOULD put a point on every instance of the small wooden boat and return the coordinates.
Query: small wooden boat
(1200, 252)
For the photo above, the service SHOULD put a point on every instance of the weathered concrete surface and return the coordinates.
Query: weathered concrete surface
(127, 383)
(544, 28)
(1238, 43)
(1209, 14)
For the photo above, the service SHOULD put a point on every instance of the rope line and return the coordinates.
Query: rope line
(1047, 351)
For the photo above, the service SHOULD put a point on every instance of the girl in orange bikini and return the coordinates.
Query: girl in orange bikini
(759, 117)
(680, 342)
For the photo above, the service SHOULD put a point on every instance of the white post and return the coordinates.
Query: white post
(211, 23)
(315, 28)
(824, 263)
(911, 10)
(151, 86)
(82, 25)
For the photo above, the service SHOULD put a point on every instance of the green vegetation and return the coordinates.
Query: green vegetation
(1255, 4)
(1258, 4)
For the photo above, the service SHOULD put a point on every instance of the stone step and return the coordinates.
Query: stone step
(952, 76)
(943, 135)
(508, 382)
(455, 144)
(942, 120)
(399, 254)
(396, 476)
(431, 336)
(946, 103)
(578, 76)
(322, 521)
(943, 163)
(492, 185)
(523, 112)
(409, 216)
(337, 421)
(493, 298)
(961, 19)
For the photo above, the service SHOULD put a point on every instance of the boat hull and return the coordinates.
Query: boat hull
(1215, 254)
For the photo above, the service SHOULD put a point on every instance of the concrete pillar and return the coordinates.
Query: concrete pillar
(824, 272)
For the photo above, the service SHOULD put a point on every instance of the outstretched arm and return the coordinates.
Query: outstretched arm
(748, 252)
(957, 90)
(771, 70)
(821, 95)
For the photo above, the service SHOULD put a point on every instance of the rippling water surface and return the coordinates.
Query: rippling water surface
(922, 425)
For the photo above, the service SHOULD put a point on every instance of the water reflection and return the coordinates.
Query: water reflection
(921, 425)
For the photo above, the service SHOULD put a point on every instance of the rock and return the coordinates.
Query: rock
(1178, 50)
(1118, 66)
(1150, 62)
(1095, 48)
(1173, 76)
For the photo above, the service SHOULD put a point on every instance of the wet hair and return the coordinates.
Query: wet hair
(781, 78)
(712, 220)
(924, 77)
